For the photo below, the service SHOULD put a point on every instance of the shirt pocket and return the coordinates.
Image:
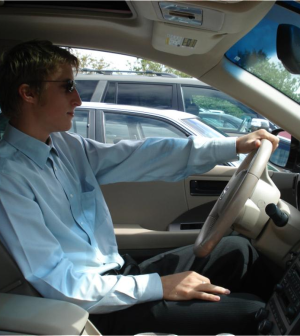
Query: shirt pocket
(88, 204)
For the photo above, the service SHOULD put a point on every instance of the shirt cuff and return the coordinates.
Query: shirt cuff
(150, 287)
(226, 149)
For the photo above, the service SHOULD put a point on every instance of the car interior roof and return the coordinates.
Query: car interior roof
(140, 33)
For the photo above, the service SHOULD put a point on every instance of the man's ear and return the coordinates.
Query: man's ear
(27, 93)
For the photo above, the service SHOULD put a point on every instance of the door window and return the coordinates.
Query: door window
(123, 126)
(80, 123)
(157, 128)
(117, 128)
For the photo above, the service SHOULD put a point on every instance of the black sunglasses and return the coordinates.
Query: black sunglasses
(70, 84)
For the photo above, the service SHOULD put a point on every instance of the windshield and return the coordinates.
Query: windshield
(256, 52)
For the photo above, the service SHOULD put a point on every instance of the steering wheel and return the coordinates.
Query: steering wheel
(232, 200)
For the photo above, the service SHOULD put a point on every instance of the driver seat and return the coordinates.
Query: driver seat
(12, 280)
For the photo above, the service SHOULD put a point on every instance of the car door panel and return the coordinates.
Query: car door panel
(156, 205)
(141, 214)
(152, 205)
(193, 219)
(218, 174)
(143, 243)
(160, 214)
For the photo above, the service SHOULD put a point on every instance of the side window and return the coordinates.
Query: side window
(80, 123)
(221, 111)
(117, 127)
(86, 89)
(213, 121)
(147, 95)
(122, 126)
(157, 128)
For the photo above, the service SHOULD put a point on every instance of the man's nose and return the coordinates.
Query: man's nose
(77, 99)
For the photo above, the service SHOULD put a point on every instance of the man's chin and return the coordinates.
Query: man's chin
(64, 129)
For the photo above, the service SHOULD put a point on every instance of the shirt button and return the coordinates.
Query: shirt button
(55, 168)
(71, 195)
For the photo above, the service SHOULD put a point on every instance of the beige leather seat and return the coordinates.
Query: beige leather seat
(11, 278)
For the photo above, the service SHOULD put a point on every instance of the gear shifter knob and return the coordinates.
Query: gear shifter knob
(279, 217)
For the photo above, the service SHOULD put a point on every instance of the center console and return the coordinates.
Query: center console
(282, 313)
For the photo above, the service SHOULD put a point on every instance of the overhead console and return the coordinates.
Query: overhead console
(181, 27)
(190, 15)
(195, 27)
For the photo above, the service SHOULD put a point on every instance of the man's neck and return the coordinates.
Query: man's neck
(29, 128)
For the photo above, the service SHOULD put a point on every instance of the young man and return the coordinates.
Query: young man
(56, 225)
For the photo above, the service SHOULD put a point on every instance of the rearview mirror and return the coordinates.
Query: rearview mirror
(288, 47)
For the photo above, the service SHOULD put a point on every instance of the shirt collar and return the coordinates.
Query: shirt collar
(52, 147)
(36, 150)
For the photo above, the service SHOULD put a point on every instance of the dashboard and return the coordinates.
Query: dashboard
(282, 313)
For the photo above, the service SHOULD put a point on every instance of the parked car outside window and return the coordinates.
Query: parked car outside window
(225, 122)
(167, 92)
(120, 122)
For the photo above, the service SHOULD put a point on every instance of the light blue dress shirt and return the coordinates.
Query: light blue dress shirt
(54, 219)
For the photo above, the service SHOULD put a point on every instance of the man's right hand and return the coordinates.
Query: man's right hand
(190, 285)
